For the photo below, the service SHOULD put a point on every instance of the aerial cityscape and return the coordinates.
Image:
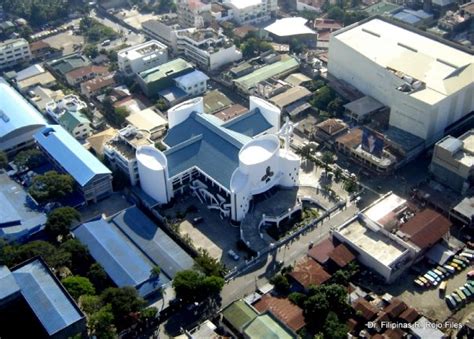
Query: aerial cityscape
(258, 169)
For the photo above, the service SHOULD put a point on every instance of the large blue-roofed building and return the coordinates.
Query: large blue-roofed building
(224, 163)
(18, 220)
(33, 303)
(128, 245)
(68, 155)
(19, 120)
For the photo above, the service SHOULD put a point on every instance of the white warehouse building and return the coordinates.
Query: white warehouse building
(427, 84)
(224, 164)
(139, 58)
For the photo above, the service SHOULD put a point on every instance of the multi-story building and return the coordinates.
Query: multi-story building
(93, 180)
(207, 48)
(453, 161)
(162, 30)
(426, 83)
(139, 58)
(79, 75)
(193, 84)
(190, 12)
(13, 52)
(67, 113)
(19, 120)
(252, 11)
(120, 150)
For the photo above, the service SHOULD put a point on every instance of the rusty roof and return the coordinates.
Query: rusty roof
(409, 315)
(320, 252)
(367, 310)
(308, 272)
(231, 112)
(351, 139)
(86, 70)
(394, 333)
(395, 308)
(332, 126)
(282, 308)
(426, 228)
(341, 255)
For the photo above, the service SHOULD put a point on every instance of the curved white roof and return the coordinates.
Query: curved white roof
(151, 157)
(15, 111)
(259, 150)
(289, 27)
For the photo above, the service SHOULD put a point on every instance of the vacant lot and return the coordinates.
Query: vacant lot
(65, 41)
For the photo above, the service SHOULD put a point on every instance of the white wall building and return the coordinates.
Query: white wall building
(138, 58)
(223, 163)
(207, 48)
(252, 11)
(13, 52)
(120, 150)
(190, 12)
(427, 84)
(194, 83)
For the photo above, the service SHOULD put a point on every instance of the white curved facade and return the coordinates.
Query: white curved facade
(262, 165)
(153, 172)
(181, 112)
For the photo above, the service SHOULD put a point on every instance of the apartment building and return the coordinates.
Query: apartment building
(139, 58)
(120, 150)
(207, 48)
(191, 12)
(67, 113)
(13, 52)
(252, 11)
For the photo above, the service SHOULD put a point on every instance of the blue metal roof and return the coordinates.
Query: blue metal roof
(53, 308)
(70, 154)
(16, 112)
(122, 261)
(203, 141)
(8, 214)
(250, 124)
(8, 285)
(153, 241)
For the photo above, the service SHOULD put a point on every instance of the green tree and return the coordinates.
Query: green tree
(166, 6)
(209, 265)
(335, 13)
(90, 304)
(350, 185)
(30, 158)
(87, 112)
(327, 158)
(91, 51)
(333, 328)
(212, 285)
(161, 105)
(155, 271)
(253, 46)
(186, 285)
(124, 302)
(3, 160)
(80, 258)
(51, 186)
(281, 283)
(98, 277)
(101, 323)
(336, 107)
(60, 220)
(297, 298)
(322, 97)
(77, 286)
(11, 255)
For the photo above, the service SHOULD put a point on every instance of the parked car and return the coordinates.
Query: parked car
(442, 288)
(449, 268)
(470, 275)
(434, 275)
(461, 295)
(233, 255)
(458, 299)
(452, 304)
(469, 287)
(419, 283)
(466, 292)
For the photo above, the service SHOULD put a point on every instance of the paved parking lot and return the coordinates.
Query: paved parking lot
(215, 235)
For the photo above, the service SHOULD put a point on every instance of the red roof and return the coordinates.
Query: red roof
(395, 308)
(320, 252)
(308, 272)
(367, 310)
(426, 228)
(394, 333)
(283, 309)
(99, 82)
(231, 112)
(341, 255)
(324, 24)
(86, 70)
(409, 315)
(40, 44)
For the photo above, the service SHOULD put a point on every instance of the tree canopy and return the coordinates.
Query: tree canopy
(30, 158)
(11, 255)
(51, 186)
(78, 286)
(124, 302)
(208, 265)
(191, 285)
(253, 46)
(60, 220)
(3, 160)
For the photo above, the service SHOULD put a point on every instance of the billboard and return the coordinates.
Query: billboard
(372, 143)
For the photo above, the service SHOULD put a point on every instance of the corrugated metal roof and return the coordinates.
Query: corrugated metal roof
(122, 261)
(70, 154)
(44, 295)
(266, 326)
(15, 111)
(250, 124)
(8, 285)
(238, 314)
(153, 241)
(70, 120)
(190, 79)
